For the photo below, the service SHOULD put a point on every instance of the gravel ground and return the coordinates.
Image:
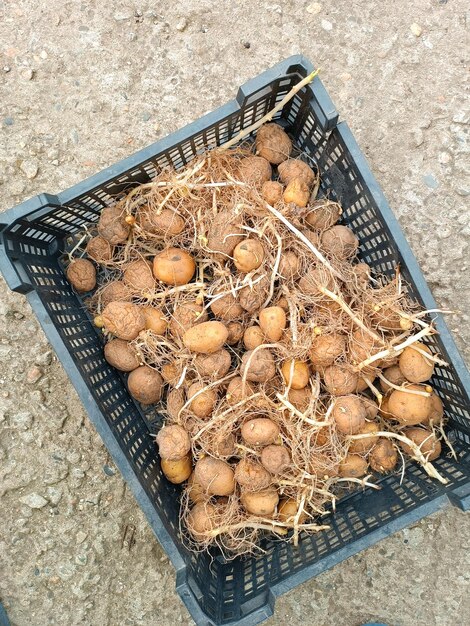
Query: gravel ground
(84, 84)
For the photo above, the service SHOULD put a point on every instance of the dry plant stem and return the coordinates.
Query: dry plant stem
(364, 482)
(78, 244)
(403, 465)
(175, 290)
(220, 417)
(418, 455)
(298, 414)
(395, 350)
(293, 315)
(248, 363)
(374, 390)
(206, 388)
(243, 448)
(269, 116)
(296, 521)
(405, 389)
(446, 439)
(349, 312)
(275, 269)
(430, 357)
(215, 532)
(304, 240)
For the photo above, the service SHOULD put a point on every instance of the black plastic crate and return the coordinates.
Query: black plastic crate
(32, 237)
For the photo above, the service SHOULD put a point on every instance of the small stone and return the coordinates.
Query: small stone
(430, 181)
(8, 121)
(66, 571)
(74, 136)
(55, 162)
(22, 420)
(81, 559)
(54, 495)
(95, 499)
(124, 14)
(132, 36)
(146, 116)
(108, 470)
(44, 359)
(461, 117)
(156, 127)
(181, 24)
(34, 374)
(444, 158)
(416, 29)
(418, 136)
(29, 167)
(247, 45)
(43, 54)
(81, 536)
(463, 190)
(326, 25)
(34, 501)
(6, 69)
(314, 8)
(27, 73)
(77, 472)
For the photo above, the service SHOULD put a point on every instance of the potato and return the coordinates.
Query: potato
(414, 365)
(314, 278)
(312, 236)
(214, 365)
(386, 319)
(235, 333)
(372, 408)
(273, 143)
(296, 374)
(253, 337)
(173, 442)
(326, 349)
(115, 291)
(174, 266)
(195, 491)
(384, 411)
(81, 274)
(340, 242)
(251, 475)
(223, 445)
(165, 223)
(271, 191)
(362, 446)
(225, 233)
(300, 398)
(121, 355)
(323, 466)
(123, 319)
(154, 320)
(112, 225)
(425, 439)
(409, 408)
(260, 431)
(248, 255)
(383, 456)
(394, 375)
(204, 402)
(260, 364)
(289, 265)
(175, 400)
(353, 466)
(254, 170)
(235, 391)
(349, 414)
(138, 276)
(200, 520)
(283, 303)
(323, 214)
(227, 307)
(275, 458)
(171, 373)
(145, 385)
(185, 316)
(297, 191)
(215, 476)
(294, 168)
(260, 503)
(272, 321)
(287, 512)
(339, 380)
(99, 249)
(205, 338)
(177, 471)
(253, 297)
(362, 379)
(437, 411)
(362, 346)
(362, 273)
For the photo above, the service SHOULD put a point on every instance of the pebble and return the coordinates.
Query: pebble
(34, 501)
(22, 420)
(29, 167)
(146, 116)
(108, 470)
(8, 121)
(430, 181)
(44, 359)
(54, 495)
(181, 24)
(27, 73)
(43, 54)
(124, 14)
(416, 29)
(73, 457)
(55, 473)
(6, 69)
(326, 25)
(81, 536)
(66, 571)
(314, 8)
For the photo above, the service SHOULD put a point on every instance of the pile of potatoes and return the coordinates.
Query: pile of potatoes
(229, 293)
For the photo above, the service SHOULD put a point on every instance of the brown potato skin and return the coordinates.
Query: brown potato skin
(99, 249)
(253, 337)
(353, 466)
(273, 143)
(254, 170)
(339, 380)
(123, 319)
(326, 349)
(315, 277)
(200, 520)
(175, 400)
(116, 291)
(185, 316)
(138, 276)
(145, 385)
(383, 457)
(262, 503)
(289, 265)
(261, 366)
(260, 431)
(177, 471)
(287, 511)
(275, 458)
(214, 365)
(295, 168)
(235, 333)
(81, 274)
(272, 192)
(362, 446)
(273, 321)
(173, 442)
(430, 446)
(248, 255)
(227, 308)
(414, 366)
(112, 225)
(394, 375)
(298, 192)
(340, 242)
(166, 223)
(323, 214)
(224, 234)
(203, 404)
(234, 390)
(215, 476)
(174, 266)
(251, 475)
(154, 320)
(349, 414)
(409, 409)
(205, 338)
(121, 355)
(300, 375)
